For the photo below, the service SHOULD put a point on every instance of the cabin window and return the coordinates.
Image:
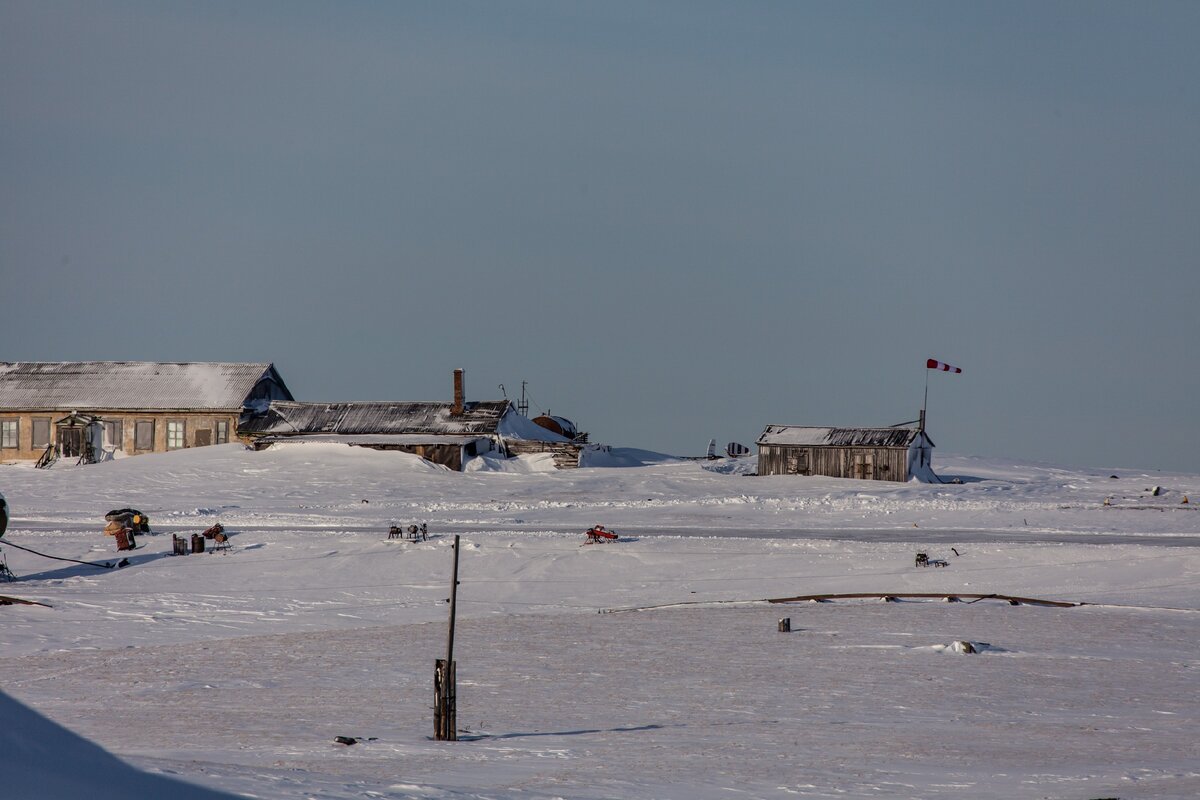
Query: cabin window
(144, 435)
(9, 433)
(41, 433)
(175, 434)
(113, 433)
(222, 431)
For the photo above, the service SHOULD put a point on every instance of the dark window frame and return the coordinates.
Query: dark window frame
(137, 438)
(15, 423)
(117, 426)
(34, 444)
(182, 434)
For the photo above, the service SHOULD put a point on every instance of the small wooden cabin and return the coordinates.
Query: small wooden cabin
(881, 454)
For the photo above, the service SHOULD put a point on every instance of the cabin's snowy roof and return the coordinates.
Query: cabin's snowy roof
(375, 439)
(128, 384)
(286, 418)
(838, 437)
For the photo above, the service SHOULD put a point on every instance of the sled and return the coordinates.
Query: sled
(598, 535)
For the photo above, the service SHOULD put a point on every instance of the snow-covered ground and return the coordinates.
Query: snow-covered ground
(237, 670)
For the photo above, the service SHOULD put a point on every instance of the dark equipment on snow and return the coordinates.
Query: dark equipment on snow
(923, 560)
(197, 543)
(597, 534)
(125, 539)
(130, 518)
(179, 547)
(413, 533)
(3, 515)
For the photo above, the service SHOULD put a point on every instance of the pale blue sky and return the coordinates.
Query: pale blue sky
(675, 220)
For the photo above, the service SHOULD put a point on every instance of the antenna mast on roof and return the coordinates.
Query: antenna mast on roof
(523, 403)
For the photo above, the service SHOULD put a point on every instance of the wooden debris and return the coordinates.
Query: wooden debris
(5, 600)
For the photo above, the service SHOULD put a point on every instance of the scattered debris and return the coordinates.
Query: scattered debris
(923, 560)
(5, 600)
(349, 740)
(975, 598)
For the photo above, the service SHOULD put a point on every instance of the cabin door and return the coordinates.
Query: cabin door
(797, 462)
(70, 442)
(203, 437)
(864, 466)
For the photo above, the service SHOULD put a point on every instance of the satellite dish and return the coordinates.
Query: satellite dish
(734, 450)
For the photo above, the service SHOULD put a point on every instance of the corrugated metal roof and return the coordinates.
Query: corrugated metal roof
(291, 418)
(381, 439)
(838, 437)
(127, 384)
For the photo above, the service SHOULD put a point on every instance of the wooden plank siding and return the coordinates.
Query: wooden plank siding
(866, 463)
(566, 454)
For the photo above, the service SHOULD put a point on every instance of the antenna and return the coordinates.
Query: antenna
(523, 403)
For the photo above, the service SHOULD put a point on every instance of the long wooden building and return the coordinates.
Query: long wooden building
(444, 432)
(99, 409)
(882, 454)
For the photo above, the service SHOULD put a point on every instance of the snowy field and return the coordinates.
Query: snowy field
(235, 671)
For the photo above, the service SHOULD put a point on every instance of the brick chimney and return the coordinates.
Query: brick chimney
(457, 409)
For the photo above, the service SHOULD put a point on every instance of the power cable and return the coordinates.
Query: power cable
(105, 565)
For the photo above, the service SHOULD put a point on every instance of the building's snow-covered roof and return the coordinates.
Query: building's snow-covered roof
(515, 426)
(101, 385)
(377, 439)
(287, 418)
(838, 437)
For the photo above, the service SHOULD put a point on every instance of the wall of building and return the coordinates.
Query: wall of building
(193, 423)
(887, 463)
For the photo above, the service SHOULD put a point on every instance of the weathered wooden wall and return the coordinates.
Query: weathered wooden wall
(192, 422)
(566, 454)
(889, 463)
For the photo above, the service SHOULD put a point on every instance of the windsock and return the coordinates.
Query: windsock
(933, 363)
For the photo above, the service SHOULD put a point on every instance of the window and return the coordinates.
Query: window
(41, 433)
(114, 433)
(222, 431)
(144, 435)
(8, 433)
(175, 435)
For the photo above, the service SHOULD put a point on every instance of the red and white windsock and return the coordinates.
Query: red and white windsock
(933, 363)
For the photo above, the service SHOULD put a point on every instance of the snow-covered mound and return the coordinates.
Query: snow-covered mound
(523, 465)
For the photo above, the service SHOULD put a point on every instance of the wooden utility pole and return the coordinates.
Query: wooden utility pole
(445, 682)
